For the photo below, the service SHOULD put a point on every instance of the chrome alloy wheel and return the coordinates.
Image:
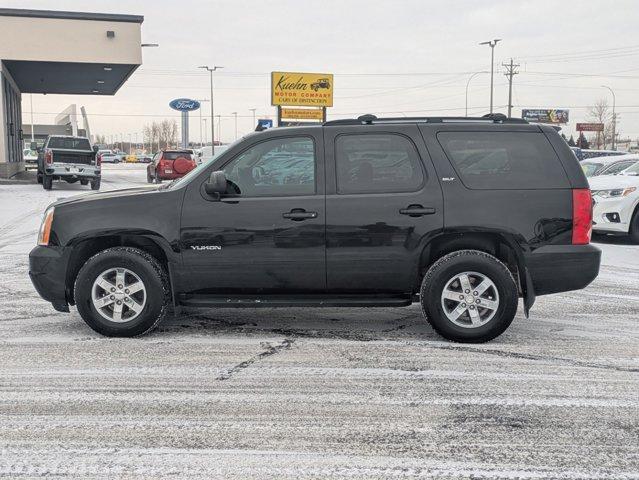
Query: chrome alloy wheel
(470, 299)
(118, 295)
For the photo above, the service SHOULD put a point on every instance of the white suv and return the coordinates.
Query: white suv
(615, 202)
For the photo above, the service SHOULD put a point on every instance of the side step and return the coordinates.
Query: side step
(270, 301)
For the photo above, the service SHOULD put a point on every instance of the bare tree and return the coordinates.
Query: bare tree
(600, 113)
(163, 134)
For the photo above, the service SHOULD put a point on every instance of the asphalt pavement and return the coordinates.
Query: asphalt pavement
(315, 393)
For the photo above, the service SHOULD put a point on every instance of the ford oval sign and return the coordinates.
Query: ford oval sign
(184, 104)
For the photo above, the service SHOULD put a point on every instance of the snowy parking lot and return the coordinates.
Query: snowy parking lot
(314, 393)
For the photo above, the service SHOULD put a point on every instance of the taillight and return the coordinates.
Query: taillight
(98, 159)
(581, 216)
(48, 156)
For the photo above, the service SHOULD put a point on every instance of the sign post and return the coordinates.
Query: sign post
(184, 105)
(296, 89)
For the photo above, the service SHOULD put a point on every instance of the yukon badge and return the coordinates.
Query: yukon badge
(206, 247)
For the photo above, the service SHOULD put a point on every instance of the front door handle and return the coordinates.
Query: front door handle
(417, 211)
(299, 214)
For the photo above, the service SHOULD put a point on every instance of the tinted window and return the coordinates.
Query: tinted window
(504, 160)
(176, 155)
(277, 167)
(377, 163)
(69, 143)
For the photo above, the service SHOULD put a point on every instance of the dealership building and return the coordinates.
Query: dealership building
(51, 52)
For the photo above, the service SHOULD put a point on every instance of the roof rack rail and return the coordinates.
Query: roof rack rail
(370, 119)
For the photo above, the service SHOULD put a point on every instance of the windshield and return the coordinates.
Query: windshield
(590, 168)
(634, 170)
(70, 143)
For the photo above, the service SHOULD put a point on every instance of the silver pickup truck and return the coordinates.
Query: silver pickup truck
(68, 158)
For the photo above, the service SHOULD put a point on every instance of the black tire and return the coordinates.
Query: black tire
(149, 178)
(157, 179)
(47, 182)
(633, 232)
(84, 182)
(70, 180)
(443, 270)
(145, 266)
(39, 178)
(95, 184)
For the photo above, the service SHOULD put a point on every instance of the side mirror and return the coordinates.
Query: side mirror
(216, 184)
(96, 148)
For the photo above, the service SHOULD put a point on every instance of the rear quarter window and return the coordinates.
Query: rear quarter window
(503, 160)
(69, 143)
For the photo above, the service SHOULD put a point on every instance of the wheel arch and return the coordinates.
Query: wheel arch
(84, 248)
(502, 245)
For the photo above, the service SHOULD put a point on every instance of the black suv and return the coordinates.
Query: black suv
(464, 215)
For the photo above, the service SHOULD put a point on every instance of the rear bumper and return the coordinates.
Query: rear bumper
(73, 171)
(561, 268)
(47, 267)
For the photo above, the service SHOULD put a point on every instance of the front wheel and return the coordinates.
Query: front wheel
(47, 182)
(634, 227)
(469, 296)
(122, 292)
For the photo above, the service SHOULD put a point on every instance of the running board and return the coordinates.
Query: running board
(270, 301)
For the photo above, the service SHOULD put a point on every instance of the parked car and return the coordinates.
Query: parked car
(107, 156)
(68, 158)
(587, 153)
(608, 165)
(169, 165)
(263, 225)
(616, 203)
(578, 153)
(143, 158)
(131, 158)
(30, 158)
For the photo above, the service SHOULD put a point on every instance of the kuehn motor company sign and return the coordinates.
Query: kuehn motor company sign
(302, 89)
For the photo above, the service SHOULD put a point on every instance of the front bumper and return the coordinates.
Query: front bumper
(562, 268)
(47, 268)
(612, 214)
(72, 170)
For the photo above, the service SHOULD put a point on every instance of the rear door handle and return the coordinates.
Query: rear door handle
(299, 214)
(417, 211)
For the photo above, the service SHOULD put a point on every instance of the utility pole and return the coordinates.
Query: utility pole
(614, 118)
(211, 70)
(491, 44)
(510, 73)
(235, 115)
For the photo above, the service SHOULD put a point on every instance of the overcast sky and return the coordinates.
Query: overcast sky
(391, 57)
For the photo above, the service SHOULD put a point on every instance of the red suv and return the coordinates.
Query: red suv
(169, 165)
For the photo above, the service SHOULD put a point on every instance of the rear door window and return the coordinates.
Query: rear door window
(69, 143)
(377, 163)
(504, 160)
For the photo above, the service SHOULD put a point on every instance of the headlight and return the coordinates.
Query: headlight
(617, 192)
(45, 227)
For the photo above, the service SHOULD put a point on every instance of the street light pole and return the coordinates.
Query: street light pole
(614, 118)
(235, 115)
(491, 44)
(211, 70)
(467, 84)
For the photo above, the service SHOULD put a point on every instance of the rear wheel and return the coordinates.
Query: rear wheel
(149, 178)
(84, 182)
(47, 182)
(95, 184)
(634, 227)
(122, 292)
(39, 178)
(469, 296)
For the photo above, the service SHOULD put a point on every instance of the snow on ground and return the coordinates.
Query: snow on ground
(314, 393)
